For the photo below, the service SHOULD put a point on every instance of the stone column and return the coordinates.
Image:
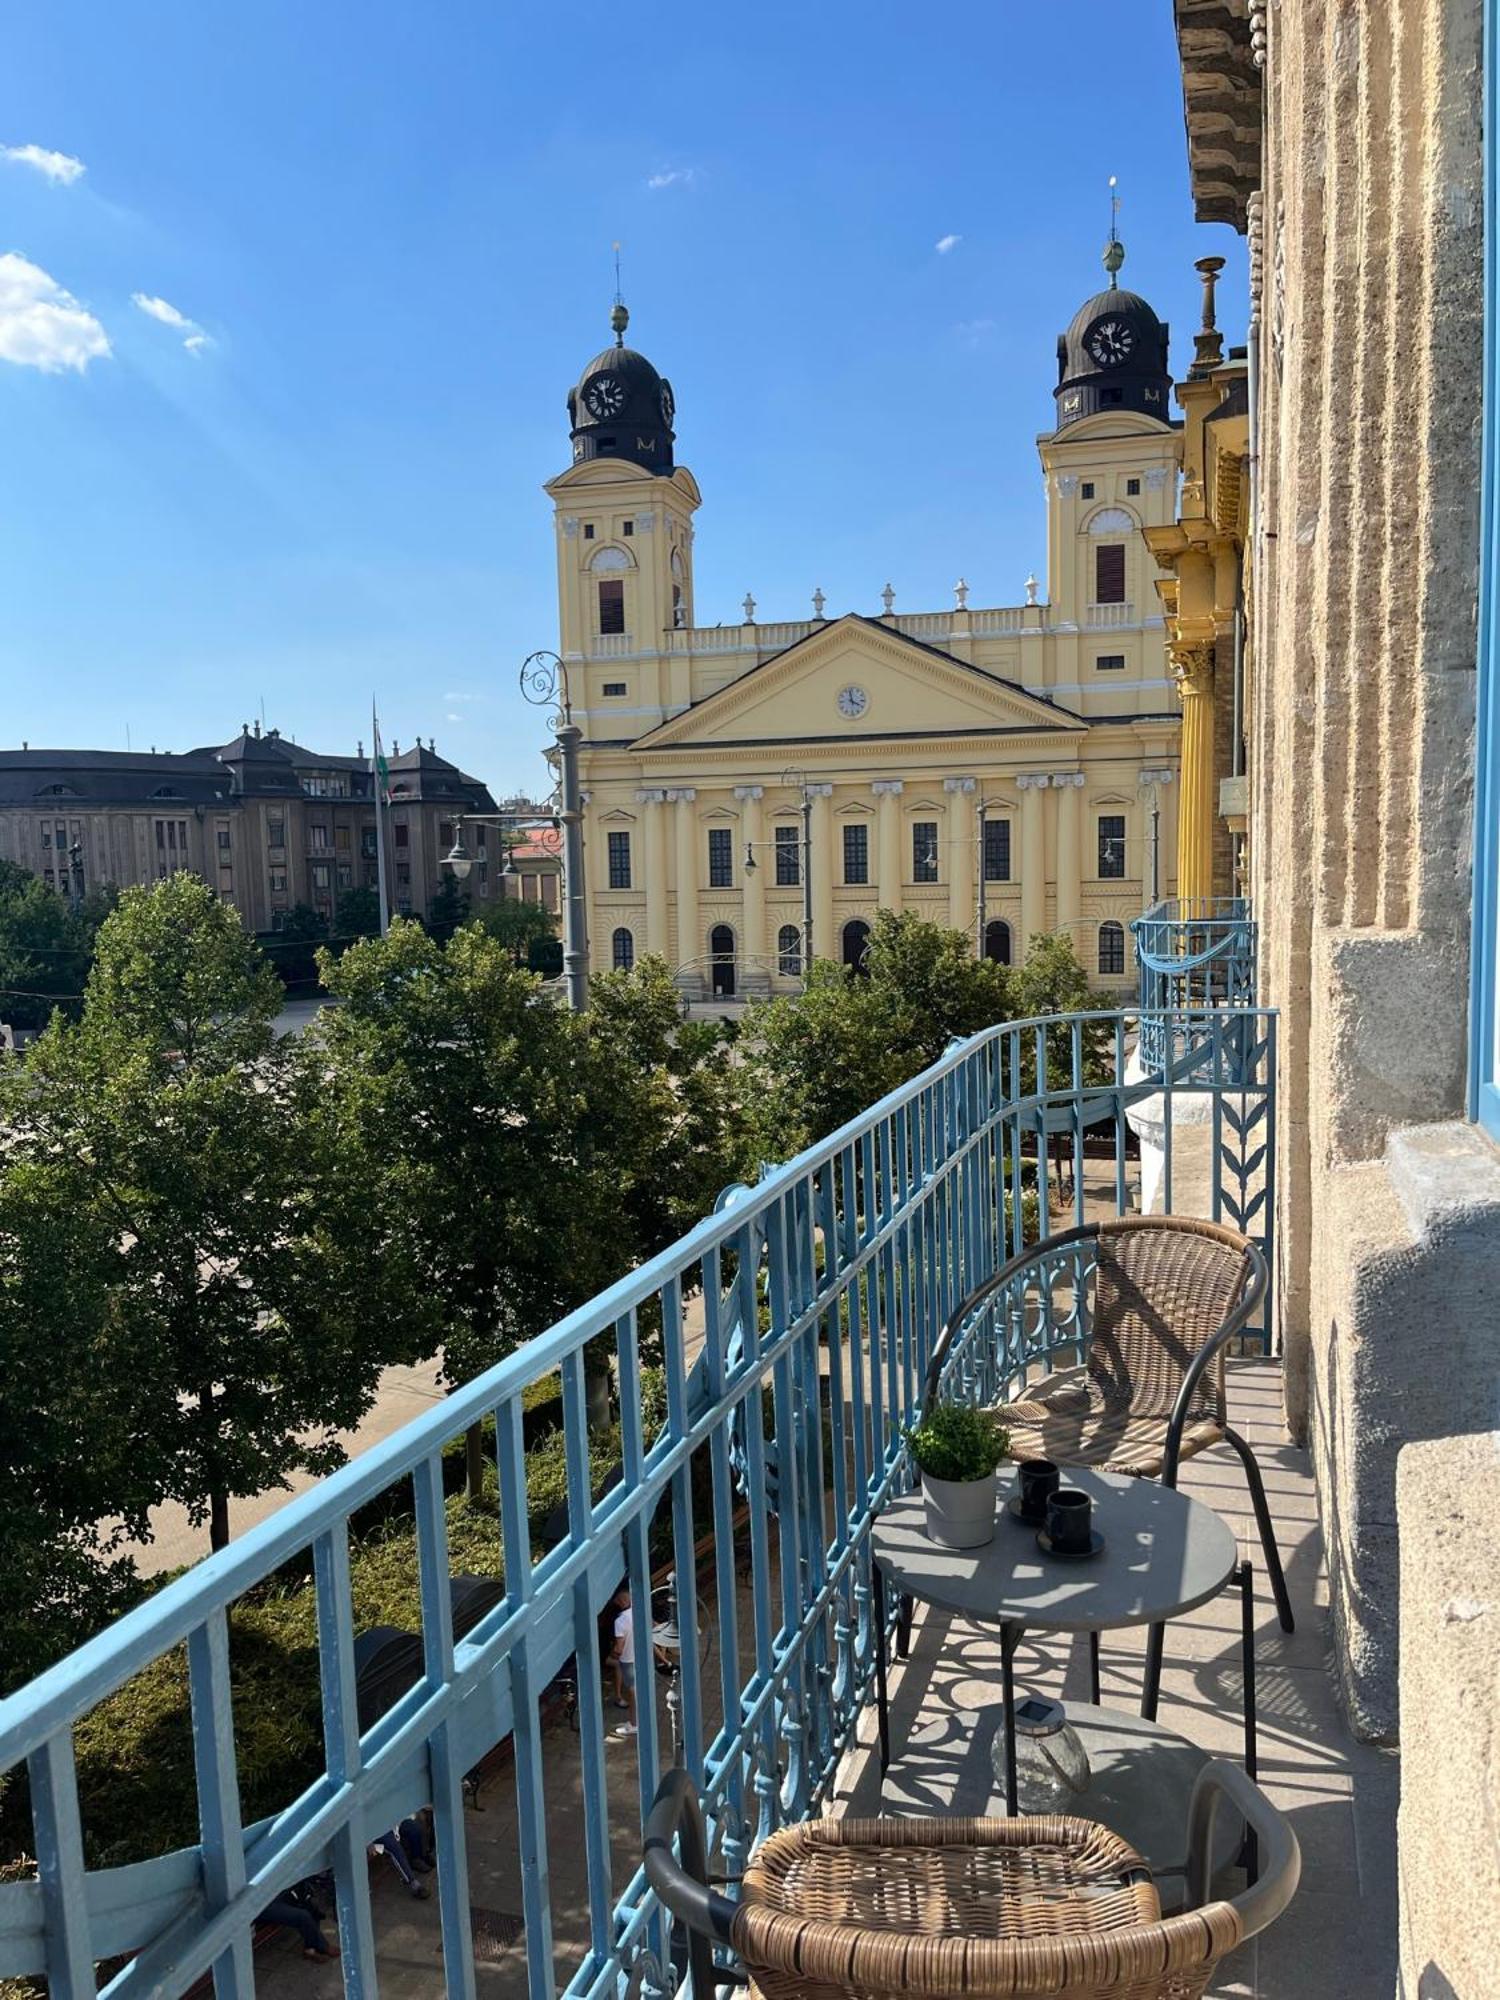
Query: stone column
(962, 833)
(754, 972)
(1193, 670)
(1069, 786)
(689, 944)
(825, 943)
(887, 842)
(654, 864)
(1032, 787)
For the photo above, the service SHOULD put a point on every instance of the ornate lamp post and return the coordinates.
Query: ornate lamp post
(544, 682)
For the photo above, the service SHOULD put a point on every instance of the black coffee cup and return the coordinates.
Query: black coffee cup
(1069, 1520)
(1040, 1479)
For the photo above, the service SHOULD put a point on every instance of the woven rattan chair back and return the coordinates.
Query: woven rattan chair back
(1162, 1289)
(928, 1909)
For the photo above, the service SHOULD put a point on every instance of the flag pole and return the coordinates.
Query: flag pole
(378, 772)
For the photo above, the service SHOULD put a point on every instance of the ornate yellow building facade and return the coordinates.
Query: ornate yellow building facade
(1004, 770)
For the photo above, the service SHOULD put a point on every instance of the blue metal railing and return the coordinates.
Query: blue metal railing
(820, 1292)
(1194, 956)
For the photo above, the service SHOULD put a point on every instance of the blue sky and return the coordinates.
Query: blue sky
(283, 367)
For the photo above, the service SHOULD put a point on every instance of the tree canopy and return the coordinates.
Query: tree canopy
(231, 1249)
(826, 1054)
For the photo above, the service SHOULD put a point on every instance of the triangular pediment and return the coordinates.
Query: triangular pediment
(900, 687)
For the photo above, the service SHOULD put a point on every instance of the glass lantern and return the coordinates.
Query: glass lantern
(1052, 1766)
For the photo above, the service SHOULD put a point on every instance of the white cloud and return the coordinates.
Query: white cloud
(61, 168)
(159, 309)
(673, 177)
(946, 243)
(41, 325)
(162, 309)
(453, 718)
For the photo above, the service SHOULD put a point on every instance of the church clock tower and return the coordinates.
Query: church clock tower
(1111, 462)
(624, 519)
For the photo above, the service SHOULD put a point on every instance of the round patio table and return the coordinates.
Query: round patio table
(1163, 1555)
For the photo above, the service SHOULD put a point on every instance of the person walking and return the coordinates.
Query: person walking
(622, 1657)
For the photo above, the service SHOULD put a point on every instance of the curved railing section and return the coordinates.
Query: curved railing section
(764, 1368)
(1194, 956)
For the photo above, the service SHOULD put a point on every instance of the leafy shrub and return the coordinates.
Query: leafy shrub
(955, 1441)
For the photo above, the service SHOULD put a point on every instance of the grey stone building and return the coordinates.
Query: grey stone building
(266, 822)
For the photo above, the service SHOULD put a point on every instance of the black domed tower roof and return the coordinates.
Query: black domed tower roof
(621, 407)
(1114, 353)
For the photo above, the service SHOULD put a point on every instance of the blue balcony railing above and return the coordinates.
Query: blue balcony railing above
(1194, 956)
(791, 1331)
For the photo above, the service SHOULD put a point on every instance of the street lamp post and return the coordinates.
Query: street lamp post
(794, 781)
(1153, 781)
(544, 681)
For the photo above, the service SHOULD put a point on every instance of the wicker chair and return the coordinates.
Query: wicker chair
(1169, 1293)
(871, 1909)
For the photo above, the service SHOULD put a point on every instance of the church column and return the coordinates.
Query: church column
(754, 971)
(654, 862)
(1193, 670)
(1032, 787)
(961, 838)
(1069, 856)
(689, 944)
(825, 943)
(887, 842)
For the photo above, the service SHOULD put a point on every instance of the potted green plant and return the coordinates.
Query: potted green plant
(957, 1451)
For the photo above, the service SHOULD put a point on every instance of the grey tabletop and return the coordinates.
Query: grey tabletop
(1164, 1554)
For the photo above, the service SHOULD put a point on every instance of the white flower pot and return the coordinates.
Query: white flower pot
(960, 1512)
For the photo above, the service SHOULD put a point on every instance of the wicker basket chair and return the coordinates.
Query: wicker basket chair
(1168, 1294)
(926, 1909)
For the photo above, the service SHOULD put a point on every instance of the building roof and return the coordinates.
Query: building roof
(251, 765)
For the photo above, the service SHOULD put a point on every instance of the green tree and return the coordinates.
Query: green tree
(46, 947)
(239, 1248)
(821, 1057)
(448, 908)
(519, 927)
(455, 1078)
(533, 1155)
(667, 1096)
(358, 913)
(71, 1486)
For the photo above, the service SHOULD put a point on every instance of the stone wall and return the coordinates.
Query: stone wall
(1365, 571)
(1449, 1500)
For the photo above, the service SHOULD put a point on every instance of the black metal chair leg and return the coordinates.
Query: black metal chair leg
(1249, 1853)
(1267, 1532)
(1151, 1690)
(905, 1608)
(882, 1698)
(1094, 1667)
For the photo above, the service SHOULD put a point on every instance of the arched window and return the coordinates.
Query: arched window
(789, 951)
(623, 950)
(1111, 950)
(856, 945)
(997, 941)
(721, 956)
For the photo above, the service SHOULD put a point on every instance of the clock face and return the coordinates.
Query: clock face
(668, 404)
(853, 701)
(1110, 342)
(605, 396)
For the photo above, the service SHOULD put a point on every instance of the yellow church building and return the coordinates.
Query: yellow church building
(756, 791)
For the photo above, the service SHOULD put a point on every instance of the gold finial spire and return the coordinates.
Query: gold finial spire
(1114, 249)
(619, 318)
